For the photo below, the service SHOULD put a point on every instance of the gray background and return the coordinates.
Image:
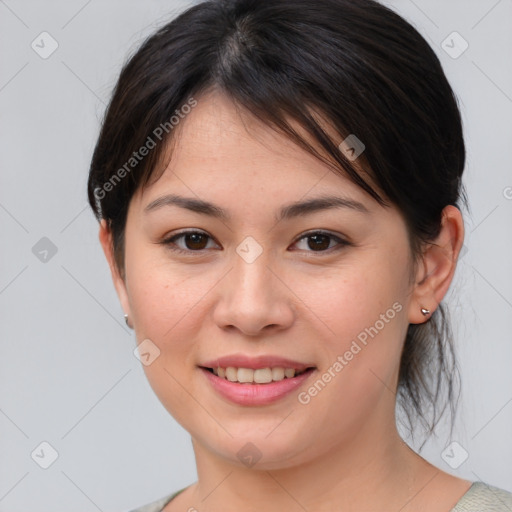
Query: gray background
(68, 373)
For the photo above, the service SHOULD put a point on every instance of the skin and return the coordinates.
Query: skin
(292, 301)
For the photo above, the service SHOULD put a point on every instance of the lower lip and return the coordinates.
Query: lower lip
(255, 394)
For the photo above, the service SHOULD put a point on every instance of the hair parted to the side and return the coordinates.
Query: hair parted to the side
(353, 63)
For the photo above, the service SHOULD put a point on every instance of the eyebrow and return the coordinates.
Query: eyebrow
(292, 210)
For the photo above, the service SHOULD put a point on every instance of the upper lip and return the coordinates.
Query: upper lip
(264, 361)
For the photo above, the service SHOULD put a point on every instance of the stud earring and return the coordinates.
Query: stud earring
(426, 312)
(128, 321)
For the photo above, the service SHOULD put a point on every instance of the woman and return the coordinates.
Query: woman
(278, 187)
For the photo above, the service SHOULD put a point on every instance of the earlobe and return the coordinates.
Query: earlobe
(438, 265)
(105, 237)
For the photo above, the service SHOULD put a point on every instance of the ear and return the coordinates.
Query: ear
(437, 266)
(105, 236)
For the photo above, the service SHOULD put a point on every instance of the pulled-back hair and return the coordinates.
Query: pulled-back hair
(354, 65)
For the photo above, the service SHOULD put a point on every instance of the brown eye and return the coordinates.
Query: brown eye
(188, 242)
(319, 241)
(195, 241)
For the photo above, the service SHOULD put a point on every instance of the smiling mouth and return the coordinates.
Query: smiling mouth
(256, 376)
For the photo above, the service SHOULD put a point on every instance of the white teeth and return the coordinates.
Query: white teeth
(262, 375)
(259, 376)
(245, 375)
(289, 373)
(231, 374)
(277, 373)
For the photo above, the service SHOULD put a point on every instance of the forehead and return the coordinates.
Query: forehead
(218, 131)
(221, 146)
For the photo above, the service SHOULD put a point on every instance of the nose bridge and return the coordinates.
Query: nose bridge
(253, 279)
(251, 297)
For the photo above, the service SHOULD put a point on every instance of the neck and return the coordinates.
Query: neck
(340, 477)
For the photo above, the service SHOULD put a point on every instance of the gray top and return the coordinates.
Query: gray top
(480, 497)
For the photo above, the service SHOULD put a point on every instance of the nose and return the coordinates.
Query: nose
(254, 299)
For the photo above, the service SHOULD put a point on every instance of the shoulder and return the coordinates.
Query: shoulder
(158, 505)
(483, 497)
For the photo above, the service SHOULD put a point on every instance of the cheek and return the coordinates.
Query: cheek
(163, 295)
(159, 301)
(346, 303)
(165, 305)
(361, 326)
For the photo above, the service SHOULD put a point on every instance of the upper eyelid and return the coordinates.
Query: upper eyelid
(188, 232)
(341, 240)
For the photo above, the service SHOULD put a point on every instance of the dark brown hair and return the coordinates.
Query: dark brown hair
(354, 63)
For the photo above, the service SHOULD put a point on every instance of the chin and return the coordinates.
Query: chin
(258, 452)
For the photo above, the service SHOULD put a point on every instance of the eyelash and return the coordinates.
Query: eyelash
(170, 242)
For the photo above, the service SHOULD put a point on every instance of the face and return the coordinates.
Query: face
(254, 281)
